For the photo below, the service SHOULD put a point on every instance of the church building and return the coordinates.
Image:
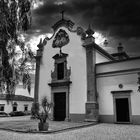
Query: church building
(85, 82)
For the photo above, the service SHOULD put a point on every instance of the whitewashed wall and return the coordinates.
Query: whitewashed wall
(20, 107)
(109, 82)
(21, 91)
(124, 65)
(77, 61)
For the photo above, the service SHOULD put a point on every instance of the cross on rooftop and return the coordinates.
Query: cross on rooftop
(62, 13)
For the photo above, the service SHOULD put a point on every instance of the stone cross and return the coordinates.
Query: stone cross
(62, 13)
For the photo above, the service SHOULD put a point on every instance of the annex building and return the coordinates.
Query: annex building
(85, 82)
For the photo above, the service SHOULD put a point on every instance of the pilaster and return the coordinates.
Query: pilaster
(91, 105)
(37, 73)
(37, 78)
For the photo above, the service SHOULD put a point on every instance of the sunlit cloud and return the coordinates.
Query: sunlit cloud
(37, 3)
(60, 2)
(99, 38)
(49, 35)
(34, 41)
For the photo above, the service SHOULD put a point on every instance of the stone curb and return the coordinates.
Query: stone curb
(51, 131)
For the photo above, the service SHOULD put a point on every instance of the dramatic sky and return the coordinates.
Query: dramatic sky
(114, 20)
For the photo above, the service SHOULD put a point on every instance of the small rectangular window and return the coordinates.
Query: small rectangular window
(26, 108)
(60, 71)
(2, 107)
(14, 108)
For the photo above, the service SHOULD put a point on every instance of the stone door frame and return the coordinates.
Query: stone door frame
(57, 91)
(121, 95)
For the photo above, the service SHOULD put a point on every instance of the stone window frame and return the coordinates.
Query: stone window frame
(56, 90)
(60, 58)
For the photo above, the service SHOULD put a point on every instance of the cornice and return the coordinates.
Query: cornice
(121, 91)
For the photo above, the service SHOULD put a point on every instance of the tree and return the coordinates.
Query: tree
(15, 18)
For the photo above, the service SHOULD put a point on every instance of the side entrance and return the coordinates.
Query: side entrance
(122, 110)
(122, 106)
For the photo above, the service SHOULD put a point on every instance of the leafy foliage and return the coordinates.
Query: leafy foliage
(15, 17)
(43, 115)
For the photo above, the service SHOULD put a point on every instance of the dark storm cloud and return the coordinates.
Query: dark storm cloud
(120, 18)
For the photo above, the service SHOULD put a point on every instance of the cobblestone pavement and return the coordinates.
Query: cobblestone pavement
(96, 132)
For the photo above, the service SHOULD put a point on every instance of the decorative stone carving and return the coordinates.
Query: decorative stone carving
(89, 39)
(61, 39)
(54, 75)
(81, 32)
(63, 22)
(89, 31)
(61, 58)
(42, 44)
(120, 85)
(68, 73)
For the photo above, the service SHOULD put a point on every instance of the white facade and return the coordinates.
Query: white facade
(109, 77)
(22, 98)
(95, 79)
(76, 61)
(22, 91)
(8, 107)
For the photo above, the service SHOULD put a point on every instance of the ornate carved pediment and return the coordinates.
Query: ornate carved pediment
(42, 44)
(59, 56)
(80, 31)
(61, 39)
(63, 22)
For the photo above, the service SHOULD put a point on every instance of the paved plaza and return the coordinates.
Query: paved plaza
(95, 132)
(25, 124)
